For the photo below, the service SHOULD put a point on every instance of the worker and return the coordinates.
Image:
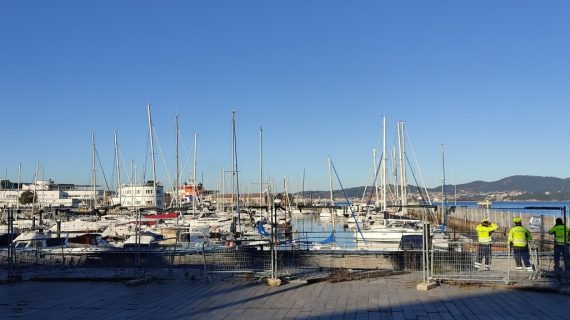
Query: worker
(519, 237)
(484, 231)
(561, 239)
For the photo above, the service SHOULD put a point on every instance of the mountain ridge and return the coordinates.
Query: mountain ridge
(517, 187)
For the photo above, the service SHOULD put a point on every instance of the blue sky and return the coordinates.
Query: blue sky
(488, 79)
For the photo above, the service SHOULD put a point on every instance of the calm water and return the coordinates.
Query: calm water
(310, 227)
(526, 206)
(523, 204)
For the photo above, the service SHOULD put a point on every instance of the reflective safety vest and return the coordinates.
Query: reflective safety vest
(519, 236)
(484, 233)
(558, 232)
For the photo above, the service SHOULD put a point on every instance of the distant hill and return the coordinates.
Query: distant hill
(518, 187)
(527, 184)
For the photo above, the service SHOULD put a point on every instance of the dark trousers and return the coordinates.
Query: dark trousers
(560, 249)
(521, 253)
(484, 251)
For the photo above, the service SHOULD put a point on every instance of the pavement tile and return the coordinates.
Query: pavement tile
(382, 298)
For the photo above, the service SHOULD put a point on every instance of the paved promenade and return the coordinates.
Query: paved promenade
(393, 297)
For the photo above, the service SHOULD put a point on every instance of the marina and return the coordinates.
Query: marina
(303, 243)
(284, 160)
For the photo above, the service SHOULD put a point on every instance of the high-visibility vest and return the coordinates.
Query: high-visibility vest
(558, 232)
(519, 236)
(484, 233)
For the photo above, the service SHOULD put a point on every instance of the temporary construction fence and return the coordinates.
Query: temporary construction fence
(451, 256)
(464, 260)
(302, 263)
(251, 257)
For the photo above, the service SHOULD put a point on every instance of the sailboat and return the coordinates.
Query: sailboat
(329, 213)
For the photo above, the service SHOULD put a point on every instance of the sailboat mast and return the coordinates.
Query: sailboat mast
(35, 187)
(223, 189)
(233, 162)
(375, 175)
(235, 167)
(403, 180)
(195, 195)
(94, 174)
(151, 139)
(260, 166)
(303, 187)
(395, 174)
(444, 199)
(286, 197)
(19, 185)
(330, 182)
(177, 183)
(383, 163)
(118, 168)
(331, 193)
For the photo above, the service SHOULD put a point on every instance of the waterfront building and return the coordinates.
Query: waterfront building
(187, 193)
(50, 194)
(140, 196)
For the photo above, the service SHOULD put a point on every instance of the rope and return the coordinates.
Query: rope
(346, 198)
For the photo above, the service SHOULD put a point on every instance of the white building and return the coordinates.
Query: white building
(50, 194)
(140, 196)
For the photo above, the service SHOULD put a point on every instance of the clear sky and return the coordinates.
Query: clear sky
(488, 79)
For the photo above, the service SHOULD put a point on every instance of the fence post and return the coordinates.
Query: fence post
(542, 233)
(427, 264)
(508, 263)
(204, 258)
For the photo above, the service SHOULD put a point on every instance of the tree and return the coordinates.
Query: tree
(27, 197)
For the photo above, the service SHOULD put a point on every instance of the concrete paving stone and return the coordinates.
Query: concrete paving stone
(427, 306)
(452, 308)
(398, 315)
(255, 314)
(420, 313)
(331, 303)
(434, 316)
(292, 314)
(279, 314)
(410, 314)
(362, 316)
(446, 316)
(303, 315)
(385, 298)
(350, 315)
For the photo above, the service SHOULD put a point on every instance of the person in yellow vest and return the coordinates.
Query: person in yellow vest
(519, 237)
(561, 239)
(484, 231)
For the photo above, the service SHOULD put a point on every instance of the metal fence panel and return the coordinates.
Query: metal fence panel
(462, 261)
